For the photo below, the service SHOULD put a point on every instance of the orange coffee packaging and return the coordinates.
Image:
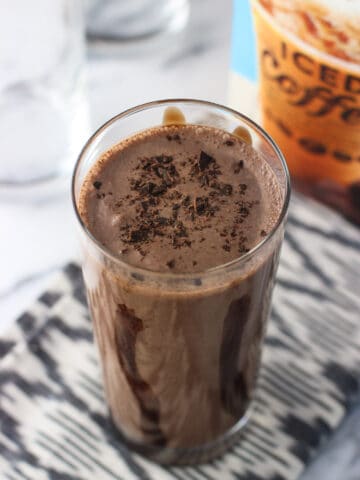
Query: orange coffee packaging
(309, 74)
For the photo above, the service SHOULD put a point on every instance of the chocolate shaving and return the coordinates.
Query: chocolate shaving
(159, 189)
(205, 160)
(164, 174)
(164, 158)
(147, 165)
(244, 211)
(172, 170)
(160, 171)
(201, 205)
(192, 213)
(226, 189)
(180, 230)
(139, 235)
(177, 242)
(146, 189)
(97, 184)
(171, 263)
(175, 195)
(162, 221)
(239, 166)
(186, 201)
(204, 180)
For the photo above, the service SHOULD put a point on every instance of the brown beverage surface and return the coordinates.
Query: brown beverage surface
(180, 198)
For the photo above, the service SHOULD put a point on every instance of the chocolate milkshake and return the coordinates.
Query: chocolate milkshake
(184, 226)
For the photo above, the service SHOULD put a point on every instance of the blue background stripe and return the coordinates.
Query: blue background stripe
(243, 55)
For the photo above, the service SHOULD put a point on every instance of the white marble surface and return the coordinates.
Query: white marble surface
(38, 236)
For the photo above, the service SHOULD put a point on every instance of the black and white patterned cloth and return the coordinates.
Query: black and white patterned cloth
(53, 418)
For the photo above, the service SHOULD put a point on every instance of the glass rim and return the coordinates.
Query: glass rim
(316, 52)
(182, 275)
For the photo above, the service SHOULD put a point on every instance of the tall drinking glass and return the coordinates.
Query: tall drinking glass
(180, 353)
(43, 111)
(117, 21)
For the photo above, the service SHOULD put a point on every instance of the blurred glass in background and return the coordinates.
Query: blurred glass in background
(134, 20)
(43, 110)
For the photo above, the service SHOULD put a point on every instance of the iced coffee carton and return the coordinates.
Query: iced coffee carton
(308, 74)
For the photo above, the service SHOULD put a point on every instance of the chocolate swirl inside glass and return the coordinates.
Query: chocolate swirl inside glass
(181, 206)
